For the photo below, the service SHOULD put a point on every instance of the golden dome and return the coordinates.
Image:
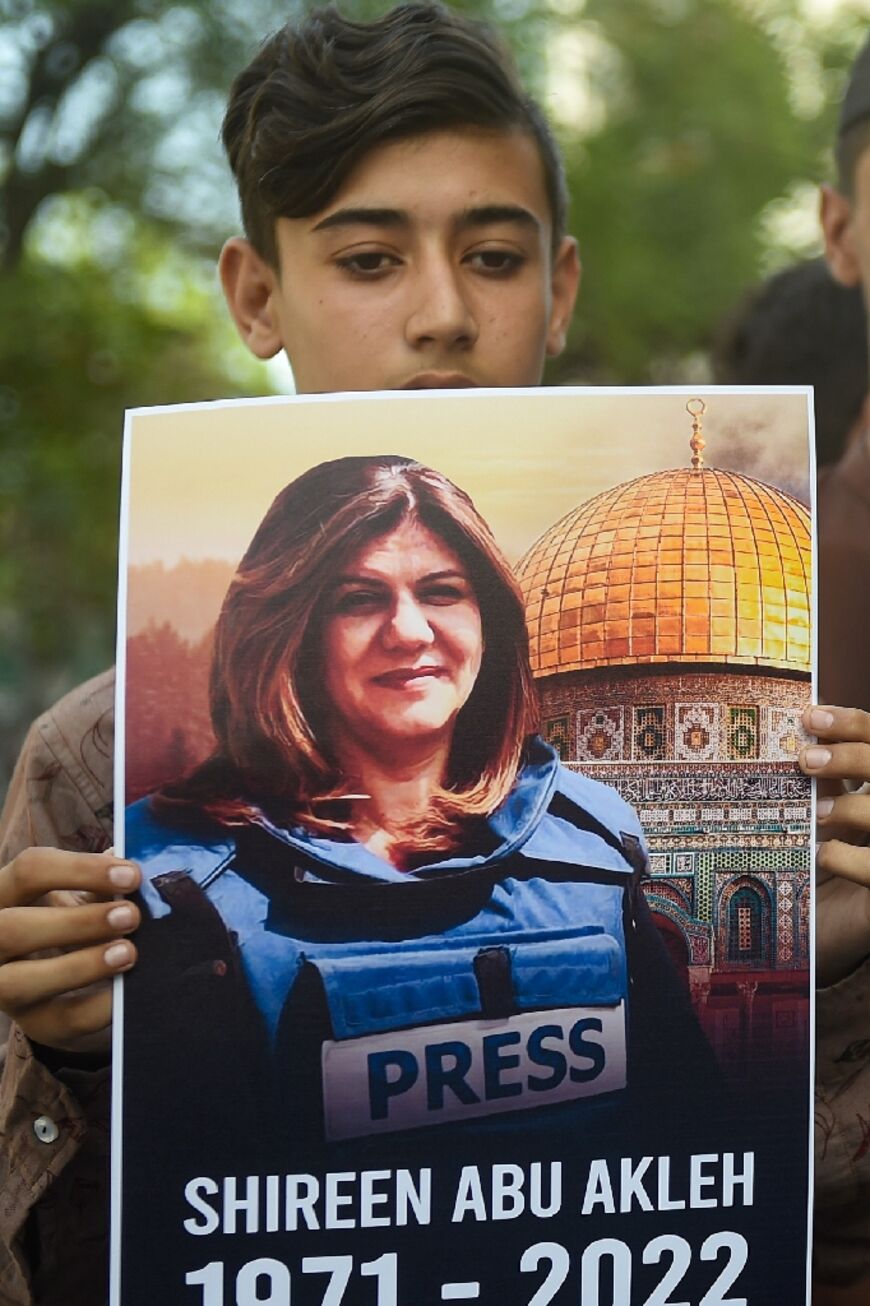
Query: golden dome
(689, 565)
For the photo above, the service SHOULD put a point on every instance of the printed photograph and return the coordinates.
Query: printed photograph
(476, 855)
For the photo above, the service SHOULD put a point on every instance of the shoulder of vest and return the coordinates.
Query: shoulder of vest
(588, 825)
(160, 848)
(601, 801)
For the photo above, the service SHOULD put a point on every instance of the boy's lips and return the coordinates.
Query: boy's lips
(439, 381)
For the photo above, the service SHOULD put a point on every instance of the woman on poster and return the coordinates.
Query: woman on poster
(407, 913)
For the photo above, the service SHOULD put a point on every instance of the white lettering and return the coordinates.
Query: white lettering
(469, 1196)
(664, 1183)
(336, 1199)
(508, 1200)
(234, 1205)
(300, 1193)
(410, 1198)
(732, 1179)
(598, 1189)
(699, 1181)
(665, 1201)
(369, 1199)
(631, 1186)
(536, 1200)
(273, 1203)
(192, 1192)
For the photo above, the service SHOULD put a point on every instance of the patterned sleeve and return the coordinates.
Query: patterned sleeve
(60, 795)
(842, 1129)
(53, 1128)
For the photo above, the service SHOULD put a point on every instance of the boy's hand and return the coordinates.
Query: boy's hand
(843, 830)
(56, 958)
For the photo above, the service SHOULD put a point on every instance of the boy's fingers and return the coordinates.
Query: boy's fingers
(846, 811)
(836, 761)
(69, 1021)
(847, 724)
(846, 860)
(24, 930)
(24, 985)
(38, 871)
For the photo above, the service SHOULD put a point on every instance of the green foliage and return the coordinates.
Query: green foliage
(700, 134)
(118, 323)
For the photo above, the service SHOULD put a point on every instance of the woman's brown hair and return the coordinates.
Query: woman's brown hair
(266, 680)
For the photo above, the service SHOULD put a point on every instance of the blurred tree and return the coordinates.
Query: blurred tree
(709, 113)
(125, 96)
(114, 201)
(689, 127)
(101, 313)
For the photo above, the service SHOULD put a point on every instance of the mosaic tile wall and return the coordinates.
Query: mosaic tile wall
(689, 718)
(707, 760)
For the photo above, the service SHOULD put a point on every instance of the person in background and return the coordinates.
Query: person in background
(802, 327)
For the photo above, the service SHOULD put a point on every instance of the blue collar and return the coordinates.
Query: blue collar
(511, 825)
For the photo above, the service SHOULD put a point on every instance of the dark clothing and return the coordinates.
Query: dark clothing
(844, 577)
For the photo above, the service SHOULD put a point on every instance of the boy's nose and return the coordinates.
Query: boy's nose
(441, 313)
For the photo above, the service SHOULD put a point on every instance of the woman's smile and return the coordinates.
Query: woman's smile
(409, 677)
(402, 643)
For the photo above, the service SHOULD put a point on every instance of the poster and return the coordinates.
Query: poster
(554, 1049)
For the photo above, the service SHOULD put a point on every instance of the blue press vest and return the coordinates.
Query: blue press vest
(534, 925)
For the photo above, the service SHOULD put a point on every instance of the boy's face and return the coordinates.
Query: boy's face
(432, 266)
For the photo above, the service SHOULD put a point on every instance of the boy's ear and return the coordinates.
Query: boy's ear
(565, 283)
(837, 218)
(249, 286)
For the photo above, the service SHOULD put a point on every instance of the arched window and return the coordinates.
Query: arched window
(746, 933)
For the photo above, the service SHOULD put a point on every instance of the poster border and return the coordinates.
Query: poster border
(398, 396)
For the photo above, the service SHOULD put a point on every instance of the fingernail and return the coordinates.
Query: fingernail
(821, 720)
(824, 807)
(123, 877)
(816, 758)
(121, 917)
(118, 956)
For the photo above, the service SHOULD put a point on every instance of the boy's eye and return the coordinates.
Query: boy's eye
(496, 261)
(368, 263)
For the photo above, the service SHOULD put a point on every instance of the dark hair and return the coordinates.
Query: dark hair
(801, 327)
(266, 681)
(851, 144)
(322, 92)
(853, 130)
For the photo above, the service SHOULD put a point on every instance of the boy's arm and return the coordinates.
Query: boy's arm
(53, 1113)
(842, 1173)
(54, 832)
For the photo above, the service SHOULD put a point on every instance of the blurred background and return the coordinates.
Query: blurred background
(695, 132)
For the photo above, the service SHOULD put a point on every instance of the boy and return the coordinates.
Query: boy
(404, 206)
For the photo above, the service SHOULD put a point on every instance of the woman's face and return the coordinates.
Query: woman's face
(402, 644)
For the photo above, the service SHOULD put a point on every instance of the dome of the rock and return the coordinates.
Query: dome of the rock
(694, 565)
